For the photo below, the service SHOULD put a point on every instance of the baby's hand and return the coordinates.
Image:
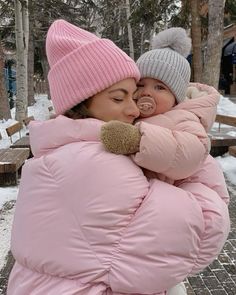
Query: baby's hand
(120, 138)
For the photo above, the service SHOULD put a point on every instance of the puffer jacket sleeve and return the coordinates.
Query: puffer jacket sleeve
(182, 235)
(216, 182)
(174, 152)
(209, 191)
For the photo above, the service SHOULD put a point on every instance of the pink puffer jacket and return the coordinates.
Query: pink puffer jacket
(87, 222)
(176, 143)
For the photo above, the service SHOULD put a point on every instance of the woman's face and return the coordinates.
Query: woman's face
(115, 103)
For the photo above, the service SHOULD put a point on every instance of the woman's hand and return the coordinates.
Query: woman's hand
(120, 138)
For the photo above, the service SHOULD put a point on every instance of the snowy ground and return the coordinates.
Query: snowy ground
(40, 112)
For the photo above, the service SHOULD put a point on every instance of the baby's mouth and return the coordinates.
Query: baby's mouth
(146, 105)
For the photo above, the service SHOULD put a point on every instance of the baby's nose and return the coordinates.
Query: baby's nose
(145, 92)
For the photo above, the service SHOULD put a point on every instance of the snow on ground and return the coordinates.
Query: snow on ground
(228, 164)
(40, 112)
(5, 234)
(225, 107)
(7, 194)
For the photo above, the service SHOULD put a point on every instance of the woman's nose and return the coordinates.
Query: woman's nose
(132, 109)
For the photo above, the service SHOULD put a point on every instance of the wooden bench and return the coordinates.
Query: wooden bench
(11, 161)
(17, 127)
(22, 142)
(27, 120)
(220, 142)
(232, 151)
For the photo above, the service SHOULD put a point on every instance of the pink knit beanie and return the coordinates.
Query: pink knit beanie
(82, 65)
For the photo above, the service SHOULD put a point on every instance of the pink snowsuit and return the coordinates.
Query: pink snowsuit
(175, 144)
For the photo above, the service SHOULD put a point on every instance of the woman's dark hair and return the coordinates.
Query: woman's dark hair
(80, 111)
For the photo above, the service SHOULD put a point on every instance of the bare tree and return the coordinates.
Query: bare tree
(30, 65)
(45, 66)
(211, 70)
(22, 37)
(4, 103)
(196, 40)
(130, 35)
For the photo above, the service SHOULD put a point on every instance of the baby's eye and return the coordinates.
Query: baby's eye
(159, 87)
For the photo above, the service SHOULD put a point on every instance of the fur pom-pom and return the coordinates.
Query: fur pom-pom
(174, 38)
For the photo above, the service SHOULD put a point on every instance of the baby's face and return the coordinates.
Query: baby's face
(154, 97)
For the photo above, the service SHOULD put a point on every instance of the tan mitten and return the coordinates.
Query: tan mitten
(193, 92)
(120, 138)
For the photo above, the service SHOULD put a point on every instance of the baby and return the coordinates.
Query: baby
(170, 138)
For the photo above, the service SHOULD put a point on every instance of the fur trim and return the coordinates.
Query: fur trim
(174, 38)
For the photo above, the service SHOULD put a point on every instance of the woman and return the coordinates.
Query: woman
(87, 221)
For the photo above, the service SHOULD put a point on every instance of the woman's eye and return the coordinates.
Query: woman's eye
(117, 99)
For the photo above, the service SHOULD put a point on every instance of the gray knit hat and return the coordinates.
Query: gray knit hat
(167, 61)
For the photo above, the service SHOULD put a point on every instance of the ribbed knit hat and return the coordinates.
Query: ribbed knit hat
(82, 65)
(167, 61)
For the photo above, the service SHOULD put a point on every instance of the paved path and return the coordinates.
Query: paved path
(4, 273)
(220, 277)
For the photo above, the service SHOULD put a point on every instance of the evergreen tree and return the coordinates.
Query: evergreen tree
(230, 12)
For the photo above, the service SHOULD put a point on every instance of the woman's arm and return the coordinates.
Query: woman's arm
(174, 232)
(209, 187)
(209, 174)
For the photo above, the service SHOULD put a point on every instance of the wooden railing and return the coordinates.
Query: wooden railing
(223, 142)
(227, 120)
